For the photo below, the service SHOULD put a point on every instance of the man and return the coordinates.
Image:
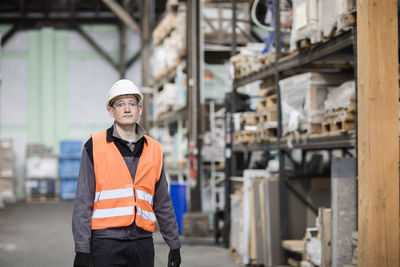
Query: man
(122, 191)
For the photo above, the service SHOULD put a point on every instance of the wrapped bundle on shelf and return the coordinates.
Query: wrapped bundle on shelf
(217, 22)
(303, 98)
(345, 17)
(340, 108)
(328, 15)
(305, 28)
(170, 40)
(335, 16)
(165, 99)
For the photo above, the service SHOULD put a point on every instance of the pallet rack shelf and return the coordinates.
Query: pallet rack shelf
(341, 48)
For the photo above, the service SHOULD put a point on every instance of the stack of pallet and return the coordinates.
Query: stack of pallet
(248, 128)
(41, 183)
(267, 115)
(70, 155)
(251, 61)
(7, 172)
(170, 43)
(340, 110)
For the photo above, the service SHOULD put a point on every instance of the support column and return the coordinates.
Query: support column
(145, 59)
(122, 50)
(378, 133)
(194, 107)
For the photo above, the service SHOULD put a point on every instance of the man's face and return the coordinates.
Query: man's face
(125, 110)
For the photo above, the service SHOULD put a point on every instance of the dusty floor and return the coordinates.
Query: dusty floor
(39, 235)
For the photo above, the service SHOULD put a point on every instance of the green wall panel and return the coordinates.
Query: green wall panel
(61, 70)
(34, 92)
(48, 93)
(47, 86)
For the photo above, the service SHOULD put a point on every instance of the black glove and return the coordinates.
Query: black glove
(82, 260)
(174, 258)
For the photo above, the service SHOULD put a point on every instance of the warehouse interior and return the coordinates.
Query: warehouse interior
(278, 120)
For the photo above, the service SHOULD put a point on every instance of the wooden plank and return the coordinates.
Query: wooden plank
(378, 155)
(325, 231)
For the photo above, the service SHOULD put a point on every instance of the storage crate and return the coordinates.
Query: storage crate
(7, 190)
(7, 159)
(70, 149)
(41, 187)
(42, 168)
(68, 188)
(69, 168)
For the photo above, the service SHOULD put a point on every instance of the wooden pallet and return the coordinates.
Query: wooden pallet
(269, 134)
(42, 198)
(314, 128)
(248, 118)
(338, 126)
(245, 137)
(304, 44)
(269, 115)
(268, 103)
(266, 91)
(164, 28)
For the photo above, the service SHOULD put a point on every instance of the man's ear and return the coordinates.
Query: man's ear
(110, 111)
(140, 109)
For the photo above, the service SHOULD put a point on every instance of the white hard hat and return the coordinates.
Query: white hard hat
(123, 87)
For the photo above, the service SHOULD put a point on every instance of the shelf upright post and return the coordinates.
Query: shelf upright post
(282, 176)
(145, 58)
(194, 107)
(229, 154)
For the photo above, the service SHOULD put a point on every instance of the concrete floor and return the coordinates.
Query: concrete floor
(39, 235)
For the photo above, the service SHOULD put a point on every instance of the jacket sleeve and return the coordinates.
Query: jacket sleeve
(165, 214)
(83, 204)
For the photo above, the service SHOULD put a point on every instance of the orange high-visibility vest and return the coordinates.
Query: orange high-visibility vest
(116, 194)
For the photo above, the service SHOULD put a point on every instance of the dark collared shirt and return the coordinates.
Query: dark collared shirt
(85, 192)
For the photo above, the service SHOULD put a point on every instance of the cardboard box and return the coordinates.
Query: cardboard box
(7, 190)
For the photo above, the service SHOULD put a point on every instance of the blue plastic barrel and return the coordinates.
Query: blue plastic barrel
(178, 196)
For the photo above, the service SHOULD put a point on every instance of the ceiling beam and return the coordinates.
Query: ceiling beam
(100, 50)
(9, 34)
(122, 14)
(29, 22)
(132, 60)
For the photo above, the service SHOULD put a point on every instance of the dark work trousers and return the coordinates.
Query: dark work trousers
(127, 253)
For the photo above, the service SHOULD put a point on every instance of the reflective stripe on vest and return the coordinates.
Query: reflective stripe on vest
(146, 214)
(111, 194)
(116, 196)
(144, 196)
(114, 212)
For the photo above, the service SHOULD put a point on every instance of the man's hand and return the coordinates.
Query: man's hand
(82, 260)
(174, 258)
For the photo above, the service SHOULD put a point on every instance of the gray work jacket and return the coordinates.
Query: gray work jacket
(85, 193)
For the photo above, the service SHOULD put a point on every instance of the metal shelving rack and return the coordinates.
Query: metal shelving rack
(338, 48)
